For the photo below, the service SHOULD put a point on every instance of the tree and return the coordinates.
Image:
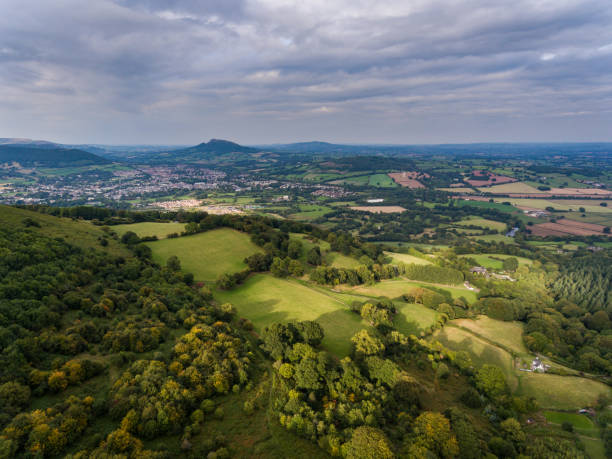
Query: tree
(294, 249)
(510, 264)
(491, 381)
(314, 256)
(130, 238)
(367, 443)
(279, 267)
(433, 432)
(173, 263)
(295, 268)
(367, 344)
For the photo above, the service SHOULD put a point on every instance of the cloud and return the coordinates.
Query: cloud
(269, 70)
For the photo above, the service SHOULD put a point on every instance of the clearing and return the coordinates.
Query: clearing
(264, 300)
(148, 229)
(396, 288)
(495, 260)
(207, 255)
(405, 258)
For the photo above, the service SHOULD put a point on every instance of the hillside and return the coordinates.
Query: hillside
(47, 156)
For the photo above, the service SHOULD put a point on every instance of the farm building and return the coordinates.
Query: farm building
(479, 270)
(539, 366)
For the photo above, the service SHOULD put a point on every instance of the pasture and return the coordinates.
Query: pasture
(405, 258)
(482, 223)
(508, 335)
(310, 212)
(516, 187)
(561, 392)
(494, 260)
(148, 229)
(379, 209)
(579, 421)
(264, 300)
(396, 288)
(207, 255)
(412, 319)
(481, 351)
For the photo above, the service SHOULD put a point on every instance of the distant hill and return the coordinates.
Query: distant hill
(220, 147)
(47, 156)
(17, 142)
(214, 150)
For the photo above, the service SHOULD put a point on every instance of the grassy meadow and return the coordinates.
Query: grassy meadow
(396, 288)
(412, 319)
(494, 260)
(207, 255)
(148, 229)
(405, 258)
(264, 299)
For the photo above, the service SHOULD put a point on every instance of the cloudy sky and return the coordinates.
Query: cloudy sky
(264, 71)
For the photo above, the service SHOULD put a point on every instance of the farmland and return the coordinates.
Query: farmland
(207, 255)
(408, 179)
(565, 227)
(379, 209)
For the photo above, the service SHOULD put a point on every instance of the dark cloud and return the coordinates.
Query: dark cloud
(279, 70)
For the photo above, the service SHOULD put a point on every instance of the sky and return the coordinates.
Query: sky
(273, 71)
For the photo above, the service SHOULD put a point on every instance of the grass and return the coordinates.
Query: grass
(310, 212)
(381, 181)
(488, 205)
(507, 334)
(396, 288)
(405, 258)
(516, 187)
(264, 300)
(552, 392)
(207, 255)
(338, 260)
(161, 230)
(561, 392)
(412, 319)
(482, 223)
(480, 351)
(494, 261)
(579, 421)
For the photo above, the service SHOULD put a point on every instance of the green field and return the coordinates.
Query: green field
(482, 223)
(207, 255)
(396, 288)
(494, 260)
(264, 300)
(405, 258)
(552, 392)
(310, 212)
(579, 421)
(488, 205)
(338, 260)
(412, 319)
(508, 335)
(148, 229)
(561, 392)
(481, 351)
(515, 187)
(382, 181)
